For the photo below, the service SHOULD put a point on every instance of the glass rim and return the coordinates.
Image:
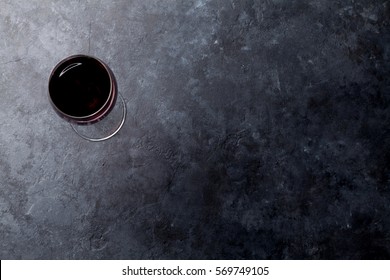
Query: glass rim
(107, 106)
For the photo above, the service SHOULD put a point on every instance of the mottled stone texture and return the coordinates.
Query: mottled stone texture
(257, 129)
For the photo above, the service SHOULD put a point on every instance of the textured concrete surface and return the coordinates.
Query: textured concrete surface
(256, 129)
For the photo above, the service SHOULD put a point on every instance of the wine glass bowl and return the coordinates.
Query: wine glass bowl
(83, 91)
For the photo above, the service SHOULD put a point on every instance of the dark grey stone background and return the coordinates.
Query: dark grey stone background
(255, 130)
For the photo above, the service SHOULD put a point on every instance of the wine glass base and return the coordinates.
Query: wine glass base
(105, 128)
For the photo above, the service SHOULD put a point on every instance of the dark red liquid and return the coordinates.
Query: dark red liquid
(80, 86)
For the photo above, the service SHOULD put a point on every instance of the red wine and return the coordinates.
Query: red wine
(82, 89)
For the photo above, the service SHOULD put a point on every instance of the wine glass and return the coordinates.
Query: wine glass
(83, 91)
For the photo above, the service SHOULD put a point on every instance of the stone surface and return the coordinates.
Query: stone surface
(255, 129)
